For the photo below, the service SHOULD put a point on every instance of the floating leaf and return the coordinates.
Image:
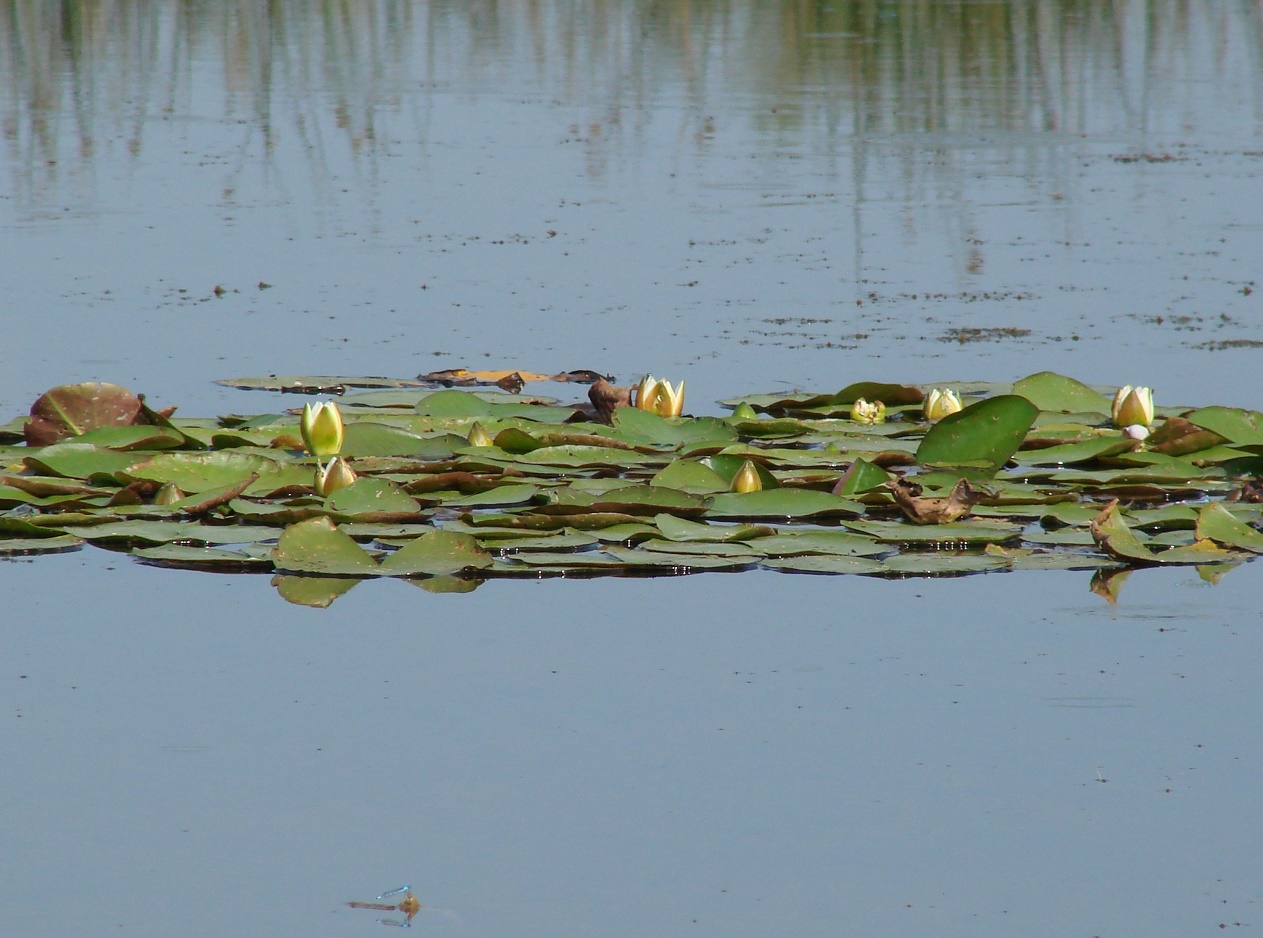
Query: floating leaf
(782, 503)
(75, 460)
(642, 426)
(689, 475)
(983, 435)
(366, 496)
(215, 558)
(437, 553)
(54, 544)
(1214, 521)
(72, 409)
(1050, 391)
(863, 476)
(680, 529)
(316, 546)
(823, 563)
(1233, 424)
(943, 564)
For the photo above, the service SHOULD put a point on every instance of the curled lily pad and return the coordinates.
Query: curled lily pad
(1214, 521)
(72, 409)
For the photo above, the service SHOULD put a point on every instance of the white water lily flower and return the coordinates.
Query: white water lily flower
(864, 412)
(1136, 431)
(659, 397)
(940, 403)
(1133, 406)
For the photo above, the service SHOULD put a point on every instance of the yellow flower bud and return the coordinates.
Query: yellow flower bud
(940, 403)
(1133, 407)
(747, 478)
(480, 436)
(322, 429)
(337, 475)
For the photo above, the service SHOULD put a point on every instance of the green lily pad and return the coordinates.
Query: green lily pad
(500, 496)
(437, 553)
(316, 546)
(679, 563)
(690, 475)
(782, 503)
(943, 563)
(55, 544)
(983, 435)
(641, 426)
(727, 465)
(1068, 454)
(958, 533)
(133, 438)
(1214, 521)
(680, 529)
(365, 438)
(823, 563)
(202, 472)
(843, 543)
(1050, 391)
(1243, 427)
(367, 496)
(863, 476)
(216, 558)
(76, 460)
(453, 403)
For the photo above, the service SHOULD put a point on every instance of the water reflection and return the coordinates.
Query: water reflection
(88, 80)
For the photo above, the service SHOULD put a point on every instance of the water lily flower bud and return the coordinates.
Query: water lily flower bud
(864, 412)
(745, 412)
(659, 397)
(940, 403)
(747, 479)
(480, 436)
(1136, 431)
(322, 429)
(337, 475)
(169, 494)
(1133, 406)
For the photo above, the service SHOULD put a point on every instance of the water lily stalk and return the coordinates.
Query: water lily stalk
(660, 397)
(747, 478)
(1133, 407)
(480, 436)
(868, 413)
(322, 429)
(940, 403)
(337, 475)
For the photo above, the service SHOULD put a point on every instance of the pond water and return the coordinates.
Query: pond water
(752, 195)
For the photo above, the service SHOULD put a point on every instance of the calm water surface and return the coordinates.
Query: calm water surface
(752, 195)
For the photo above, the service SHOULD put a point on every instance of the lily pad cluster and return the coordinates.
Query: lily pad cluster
(1033, 475)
